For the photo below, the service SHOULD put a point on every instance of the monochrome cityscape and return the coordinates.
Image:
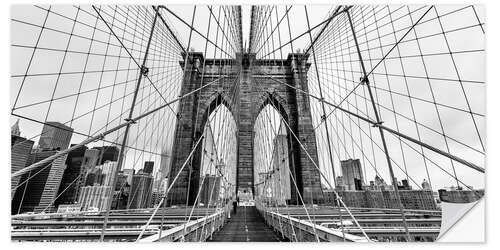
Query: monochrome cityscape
(244, 123)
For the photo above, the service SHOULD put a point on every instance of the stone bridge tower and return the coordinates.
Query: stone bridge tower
(245, 86)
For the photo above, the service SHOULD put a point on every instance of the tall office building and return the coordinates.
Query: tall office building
(210, 191)
(15, 130)
(148, 167)
(352, 174)
(39, 191)
(109, 169)
(92, 197)
(90, 158)
(155, 198)
(121, 181)
(43, 188)
(209, 156)
(107, 153)
(19, 154)
(68, 190)
(96, 165)
(122, 191)
(163, 185)
(261, 183)
(55, 135)
(129, 173)
(164, 164)
(281, 170)
(140, 191)
(98, 192)
(93, 177)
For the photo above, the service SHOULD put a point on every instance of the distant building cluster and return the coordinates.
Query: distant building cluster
(36, 193)
(460, 195)
(354, 192)
(83, 180)
(411, 199)
(80, 180)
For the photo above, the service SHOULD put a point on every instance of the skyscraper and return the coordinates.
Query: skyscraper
(93, 177)
(55, 135)
(148, 167)
(164, 164)
(281, 174)
(140, 191)
(40, 186)
(67, 193)
(107, 153)
(109, 169)
(352, 174)
(210, 190)
(19, 154)
(122, 191)
(95, 197)
(261, 182)
(90, 158)
(14, 130)
(129, 173)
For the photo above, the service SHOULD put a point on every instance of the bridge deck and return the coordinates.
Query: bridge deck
(246, 225)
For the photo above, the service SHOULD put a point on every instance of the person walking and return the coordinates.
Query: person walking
(235, 205)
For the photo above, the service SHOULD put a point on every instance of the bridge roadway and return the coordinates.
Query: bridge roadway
(247, 225)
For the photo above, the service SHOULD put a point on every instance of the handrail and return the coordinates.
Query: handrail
(323, 233)
(179, 232)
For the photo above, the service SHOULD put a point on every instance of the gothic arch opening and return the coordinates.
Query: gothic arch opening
(273, 159)
(218, 157)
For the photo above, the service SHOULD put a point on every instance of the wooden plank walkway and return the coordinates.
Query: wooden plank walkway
(246, 226)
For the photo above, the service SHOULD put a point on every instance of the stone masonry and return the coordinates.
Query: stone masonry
(245, 86)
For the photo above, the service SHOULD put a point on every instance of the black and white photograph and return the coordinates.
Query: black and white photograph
(279, 122)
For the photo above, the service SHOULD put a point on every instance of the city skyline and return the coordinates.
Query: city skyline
(133, 121)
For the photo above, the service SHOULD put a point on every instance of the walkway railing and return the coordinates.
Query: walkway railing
(195, 230)
(304, 231)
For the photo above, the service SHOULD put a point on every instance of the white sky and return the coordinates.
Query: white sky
(156, 132)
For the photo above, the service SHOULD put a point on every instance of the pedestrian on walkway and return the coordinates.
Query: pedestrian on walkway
(235, 205)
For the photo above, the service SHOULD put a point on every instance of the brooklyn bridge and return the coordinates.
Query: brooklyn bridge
(244, 123)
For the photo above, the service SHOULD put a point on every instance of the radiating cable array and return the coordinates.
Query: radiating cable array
(398, 88)
(406, 71)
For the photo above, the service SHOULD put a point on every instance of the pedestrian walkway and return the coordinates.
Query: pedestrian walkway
(246, 226)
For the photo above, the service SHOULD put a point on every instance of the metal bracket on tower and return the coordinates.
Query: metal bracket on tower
(144, 70)
(130, 120)
(377, 124)
(364, 80)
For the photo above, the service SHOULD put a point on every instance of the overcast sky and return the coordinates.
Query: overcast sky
(98, 78)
